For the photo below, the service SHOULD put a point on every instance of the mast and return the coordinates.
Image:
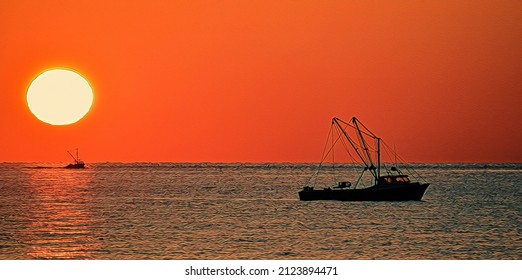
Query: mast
(378, 159)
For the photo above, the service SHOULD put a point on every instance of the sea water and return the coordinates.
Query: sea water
(250, 211)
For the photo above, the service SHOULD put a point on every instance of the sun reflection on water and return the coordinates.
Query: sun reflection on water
(59, 220)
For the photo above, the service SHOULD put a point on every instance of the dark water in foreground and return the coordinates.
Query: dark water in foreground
(250, 211)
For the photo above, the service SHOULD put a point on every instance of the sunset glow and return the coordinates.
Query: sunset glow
(259, 81)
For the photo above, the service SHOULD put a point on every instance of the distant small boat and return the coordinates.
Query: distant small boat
(77, 164)
(394, 186)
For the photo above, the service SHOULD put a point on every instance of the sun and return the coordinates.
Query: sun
(59, 97)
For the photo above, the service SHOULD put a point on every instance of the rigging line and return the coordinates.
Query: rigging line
(355, 164)
(409, 169)
(326, 144)
(318, 168)
(331, 147)
(395, 153)
(362, 141)
(345, 145)
(355, 168)
(359, 181)
(356, 147)
(329, 151)
(352, 158)
(323, 157)
(356, 122)
(342, 140)
(332, 150)
(386, 149)
(338, 126)
(333, 160)
(371, 166)
(334, 143)
(367, 132)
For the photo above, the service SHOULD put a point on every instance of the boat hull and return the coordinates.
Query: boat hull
(75, 166)
(397, 192)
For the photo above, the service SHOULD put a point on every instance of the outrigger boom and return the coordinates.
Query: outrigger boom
(366, 159)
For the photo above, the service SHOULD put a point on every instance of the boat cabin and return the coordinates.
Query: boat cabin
(394, 179)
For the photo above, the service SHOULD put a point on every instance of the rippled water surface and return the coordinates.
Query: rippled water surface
(250, 211)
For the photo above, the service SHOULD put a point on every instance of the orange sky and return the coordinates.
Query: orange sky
(259, 81)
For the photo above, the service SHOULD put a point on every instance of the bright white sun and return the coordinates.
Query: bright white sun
(59, 97)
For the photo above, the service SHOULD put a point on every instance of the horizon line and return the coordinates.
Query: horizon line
(264, 162)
